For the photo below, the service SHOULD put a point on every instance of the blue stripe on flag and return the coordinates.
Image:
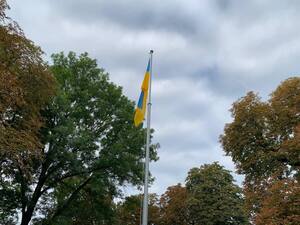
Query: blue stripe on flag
(148, 67)
(140, 103)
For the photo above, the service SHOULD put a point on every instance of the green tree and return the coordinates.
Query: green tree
(26, 86)
(173, 206)
(91, 148)
(92, 205)
(213, 198)
(263, 140)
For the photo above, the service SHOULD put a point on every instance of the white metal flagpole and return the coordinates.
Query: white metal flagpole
(145, 202)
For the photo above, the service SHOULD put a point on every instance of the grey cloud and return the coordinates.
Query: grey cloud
(166, 15)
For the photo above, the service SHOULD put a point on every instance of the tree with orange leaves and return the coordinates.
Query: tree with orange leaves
(281, 204)
(264, 142)
(173, 205)
(26, 86)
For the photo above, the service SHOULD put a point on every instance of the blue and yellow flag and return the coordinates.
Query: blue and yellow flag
(140, 110)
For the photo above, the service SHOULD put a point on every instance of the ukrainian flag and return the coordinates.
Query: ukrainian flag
(141, 106)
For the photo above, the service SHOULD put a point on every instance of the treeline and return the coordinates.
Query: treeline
(67, 145)
(209, 197)
(264, 142)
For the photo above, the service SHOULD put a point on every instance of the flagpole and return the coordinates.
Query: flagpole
(145, 202)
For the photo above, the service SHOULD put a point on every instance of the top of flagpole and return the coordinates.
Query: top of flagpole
(150, 85)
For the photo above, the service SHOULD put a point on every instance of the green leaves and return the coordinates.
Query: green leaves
(92, 142)
(213, 198)
(89, 144)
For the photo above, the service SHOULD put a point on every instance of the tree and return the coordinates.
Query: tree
(129, 212)
(26, 86)
(213, 198)
(264, 140)
(93, 205)
(91, 146)
(173, 204)
(281, 204)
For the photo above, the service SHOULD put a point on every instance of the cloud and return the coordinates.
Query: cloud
(173, 16)
(207, 54)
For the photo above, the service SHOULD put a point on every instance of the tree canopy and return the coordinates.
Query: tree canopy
(210, 197)
(91, 147)
(129, 211)
(281, 204)
(173, 204)
(91, 137)
(26, 87)
(213, 198)
(263, 141)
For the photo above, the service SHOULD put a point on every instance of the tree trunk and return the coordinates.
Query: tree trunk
(27, 214)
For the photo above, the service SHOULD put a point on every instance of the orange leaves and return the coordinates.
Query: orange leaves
(26, 86)
(264, 142)
(281, 205)
(174, 206)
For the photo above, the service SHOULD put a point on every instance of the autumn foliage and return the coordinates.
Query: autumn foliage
(26, 85)
(264, 142)
(281, 204)
(173, 205)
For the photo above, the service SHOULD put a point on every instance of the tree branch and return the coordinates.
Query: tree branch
(23, 190)
(60, 209)
(55, 182)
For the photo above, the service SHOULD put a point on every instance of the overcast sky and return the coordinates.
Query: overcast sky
(207, 54)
